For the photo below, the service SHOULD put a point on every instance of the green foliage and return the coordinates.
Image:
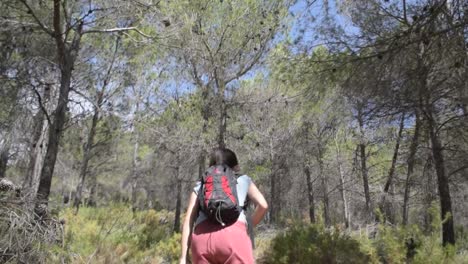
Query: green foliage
(169, 249)
(430, 249)
(114, 234)
(390, 245)
(380, 244)
(152, 231)
(409, 244)
(314, 244)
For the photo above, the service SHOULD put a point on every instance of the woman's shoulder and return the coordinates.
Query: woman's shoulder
(197, 187)
(244, 178)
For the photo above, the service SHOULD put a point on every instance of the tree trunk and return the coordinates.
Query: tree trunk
(39, 143)
(37, 160)
(136, 149)
(273, 187)
(134, 181)
(90, 144)
(310, 194)
(365, 179)
(430, 190)
(4, 157)
(176, 228)
(324, 183)
(410, 167)
(222, 122)
(205, 111)
(448, 233)
(201, 164)
(274, 201)
(222, 125)
(37, 151)
(364, 170)
(87, 154)
(385, 206)
(66, 60)
(342, 185)
(55, 133)
(92, 200)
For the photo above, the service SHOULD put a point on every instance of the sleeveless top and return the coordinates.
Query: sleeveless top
(243, 183)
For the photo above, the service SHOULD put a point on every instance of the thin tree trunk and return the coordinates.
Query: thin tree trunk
(206, 115)
(134, 182)
(448, 232)
(342, 185)
(274, 202)
(430, 191)
(87, 153)
(92, 200)
(92, 133)
(324, 183)
(201, 163)
(176, 228)
(410, 167)
(136, 148)
(364, 170)
(66, 61)
(310, 194)
(222, 125)
(222, 122)
(384, 204)
(4, 157)
(404, 11)
(365, 178)
(273, 188)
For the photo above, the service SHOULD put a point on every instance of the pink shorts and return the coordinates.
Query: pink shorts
(212, 244)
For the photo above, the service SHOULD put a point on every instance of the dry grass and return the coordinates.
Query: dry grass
(22, 237)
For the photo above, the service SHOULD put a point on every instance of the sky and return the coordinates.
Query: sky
(306, 18)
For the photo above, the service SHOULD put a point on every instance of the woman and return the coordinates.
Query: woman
(211, 242)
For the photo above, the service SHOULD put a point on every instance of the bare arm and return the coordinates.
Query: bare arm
(261, 205)
(187, 226)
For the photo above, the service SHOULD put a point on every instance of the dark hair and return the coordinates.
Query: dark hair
(223, 156)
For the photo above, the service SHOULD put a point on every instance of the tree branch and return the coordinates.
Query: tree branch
(112, 30)
(462, 168)
(39, 98)
(41, 25)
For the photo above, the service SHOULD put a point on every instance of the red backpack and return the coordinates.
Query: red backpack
(218, 195)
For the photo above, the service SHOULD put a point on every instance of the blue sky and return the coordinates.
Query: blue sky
(308, 17)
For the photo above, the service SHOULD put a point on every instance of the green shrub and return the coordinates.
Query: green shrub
(410, 245)
(314, 244)
(169, 249)
(390, 244)
(113, 234)
(430, 249)
(152, 229)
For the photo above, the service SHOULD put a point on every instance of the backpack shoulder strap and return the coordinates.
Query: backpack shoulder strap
(201, 194)
(246, 203)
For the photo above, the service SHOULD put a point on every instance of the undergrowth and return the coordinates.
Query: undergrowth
(117, 235)
(114, 234)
